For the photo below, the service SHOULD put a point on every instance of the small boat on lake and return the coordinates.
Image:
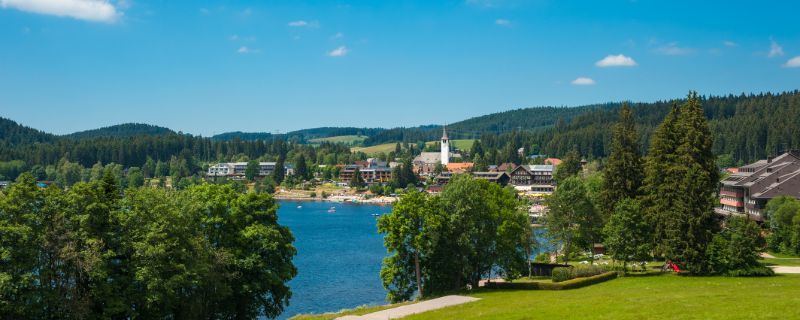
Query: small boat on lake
(332, 209)
(299, 207)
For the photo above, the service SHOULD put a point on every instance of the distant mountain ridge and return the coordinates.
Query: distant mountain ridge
(122, 131)
(299, 136)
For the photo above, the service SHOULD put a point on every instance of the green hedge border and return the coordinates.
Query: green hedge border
(564, 285)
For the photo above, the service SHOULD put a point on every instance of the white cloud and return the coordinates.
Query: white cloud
(619, 60)
(338, 35)
(303, 24)
(246, 50)
(90, 10)
(583, 81)
(503, 22)
(792, 63)
(729, 44)
(672, 49)
(237, 37)
(338, 52)
(775, 50)
(246, 12)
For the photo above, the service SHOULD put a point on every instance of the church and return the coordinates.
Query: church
(425, 163)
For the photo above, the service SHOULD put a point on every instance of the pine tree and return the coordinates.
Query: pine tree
(623, 170)
(278, 173)
(570, 166)
(301, 168)
(661, 176)
(687, 238)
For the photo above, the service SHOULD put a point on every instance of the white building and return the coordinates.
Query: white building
(237, 169)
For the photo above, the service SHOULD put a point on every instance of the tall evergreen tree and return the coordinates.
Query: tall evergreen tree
(570, 166)
(279, 172)
(301, 167)
(624, 171)
(662, 177)
(688, 237)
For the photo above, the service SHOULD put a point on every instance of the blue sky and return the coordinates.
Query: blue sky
(208, 67)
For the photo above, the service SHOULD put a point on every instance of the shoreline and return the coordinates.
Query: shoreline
(341, 199)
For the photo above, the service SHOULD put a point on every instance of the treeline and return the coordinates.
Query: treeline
(657, 206)
(122, 130)
(23, 149)
(745, 127)
(299, 136)
(95, 251)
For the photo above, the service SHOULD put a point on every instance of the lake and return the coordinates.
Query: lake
(338, 258)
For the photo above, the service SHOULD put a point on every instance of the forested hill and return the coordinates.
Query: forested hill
(745, 127)
(121, 131)
(299, 136)
(497, 123)
(13, 133)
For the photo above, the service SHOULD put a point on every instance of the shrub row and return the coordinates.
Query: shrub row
(568, 284)
(564, 274)
(751, 272)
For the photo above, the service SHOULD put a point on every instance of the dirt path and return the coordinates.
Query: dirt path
(782, 269)
(407, 310)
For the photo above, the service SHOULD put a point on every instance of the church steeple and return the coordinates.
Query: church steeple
(445, 148)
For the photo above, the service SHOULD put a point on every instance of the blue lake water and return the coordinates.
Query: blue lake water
(338, 258)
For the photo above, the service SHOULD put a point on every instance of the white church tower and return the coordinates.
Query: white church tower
(445, 151)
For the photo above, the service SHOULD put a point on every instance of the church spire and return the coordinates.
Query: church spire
(444, 133)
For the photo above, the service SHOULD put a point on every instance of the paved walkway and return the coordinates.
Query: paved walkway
(407, 310)
(782, 269)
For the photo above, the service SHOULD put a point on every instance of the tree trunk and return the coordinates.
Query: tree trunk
(416, 266)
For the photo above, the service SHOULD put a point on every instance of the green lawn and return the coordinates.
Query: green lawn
(654, 297)
(386, 147)
(340, 139)
(462, 144)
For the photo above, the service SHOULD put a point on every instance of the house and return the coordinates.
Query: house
(533, 178)
(236, 170)
(500, 178)
(372, 171)
(749, 190)
(459, 167)
(553, 161)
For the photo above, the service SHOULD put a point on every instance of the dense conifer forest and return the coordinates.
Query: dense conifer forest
(744, 128)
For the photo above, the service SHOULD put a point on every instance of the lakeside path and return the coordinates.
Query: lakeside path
(786, 270)
(407, 310)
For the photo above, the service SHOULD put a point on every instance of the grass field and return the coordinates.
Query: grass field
(340, 139)
(462, 144)
(653, 297)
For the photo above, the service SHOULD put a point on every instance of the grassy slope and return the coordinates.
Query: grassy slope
(464, 144)
(340, 139)
(657, 297)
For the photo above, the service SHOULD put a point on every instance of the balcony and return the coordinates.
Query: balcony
(731, 202)
(732, 194)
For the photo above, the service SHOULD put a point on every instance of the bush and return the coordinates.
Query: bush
(562, 274)
(565, 285)
(587, 271)
(751, 272)
(313, 194)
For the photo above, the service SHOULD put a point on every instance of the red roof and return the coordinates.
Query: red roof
(553, 161)
(459, 166)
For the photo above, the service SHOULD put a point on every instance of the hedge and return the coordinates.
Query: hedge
(565, 285)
